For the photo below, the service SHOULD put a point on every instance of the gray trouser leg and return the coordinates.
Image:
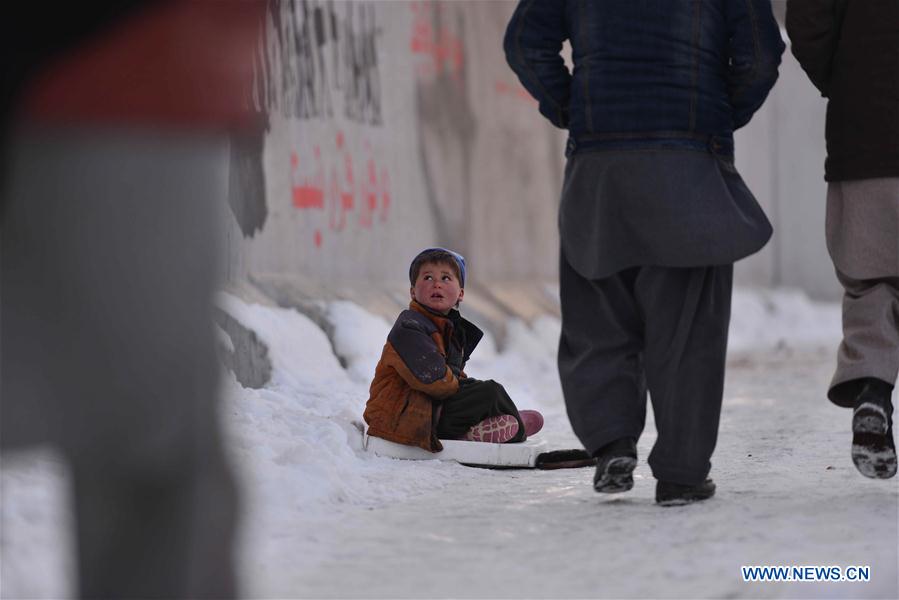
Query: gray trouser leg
(870, 346)
(665, 326)
(600, 357)
(687, 314)
(109, 259)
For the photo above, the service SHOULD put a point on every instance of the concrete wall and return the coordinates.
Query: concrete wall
(397, 125)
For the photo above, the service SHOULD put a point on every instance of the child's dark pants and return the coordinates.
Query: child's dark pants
(657, 327)
(475, 401)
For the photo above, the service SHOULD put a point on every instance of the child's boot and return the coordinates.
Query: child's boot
(495, 430)
(533, 421)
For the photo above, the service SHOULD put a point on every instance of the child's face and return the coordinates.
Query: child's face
(437, 287)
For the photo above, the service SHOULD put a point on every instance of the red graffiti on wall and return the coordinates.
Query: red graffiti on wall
(385, 195)
(432, 38)
(307, 191)
(335, 189)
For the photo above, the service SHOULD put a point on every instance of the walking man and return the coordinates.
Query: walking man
(850, 51)
(653, 214)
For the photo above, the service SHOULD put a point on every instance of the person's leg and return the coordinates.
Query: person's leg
(687, 317)
(867, 366)
(474, 402)
(870, 345)
(862, 231)
(600, 363)
(109, 268)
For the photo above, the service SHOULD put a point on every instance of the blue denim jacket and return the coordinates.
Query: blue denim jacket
(647, 73)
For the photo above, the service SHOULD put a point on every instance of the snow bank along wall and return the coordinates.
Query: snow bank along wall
(397, 125)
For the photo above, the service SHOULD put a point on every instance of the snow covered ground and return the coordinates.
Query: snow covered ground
(325, 520)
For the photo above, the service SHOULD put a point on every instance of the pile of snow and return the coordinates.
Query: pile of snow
(358, 338)
(296, 443)
(36, 527)
(776, 319)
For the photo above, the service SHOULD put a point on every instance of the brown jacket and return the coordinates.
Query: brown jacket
(413, 373)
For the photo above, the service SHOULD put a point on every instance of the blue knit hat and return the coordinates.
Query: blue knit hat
(430, 254)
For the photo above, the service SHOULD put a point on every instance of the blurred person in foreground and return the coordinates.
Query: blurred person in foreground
(116, 124)
(653, 214)
(850, 51)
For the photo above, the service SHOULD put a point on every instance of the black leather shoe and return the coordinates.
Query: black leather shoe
(615, 466)
(873, 448)
(677, 494)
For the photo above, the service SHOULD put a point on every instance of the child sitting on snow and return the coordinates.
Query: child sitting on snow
(420, 393)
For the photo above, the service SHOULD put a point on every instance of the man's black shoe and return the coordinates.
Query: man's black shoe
(873, 448)
(676, 494)
(615, 466)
